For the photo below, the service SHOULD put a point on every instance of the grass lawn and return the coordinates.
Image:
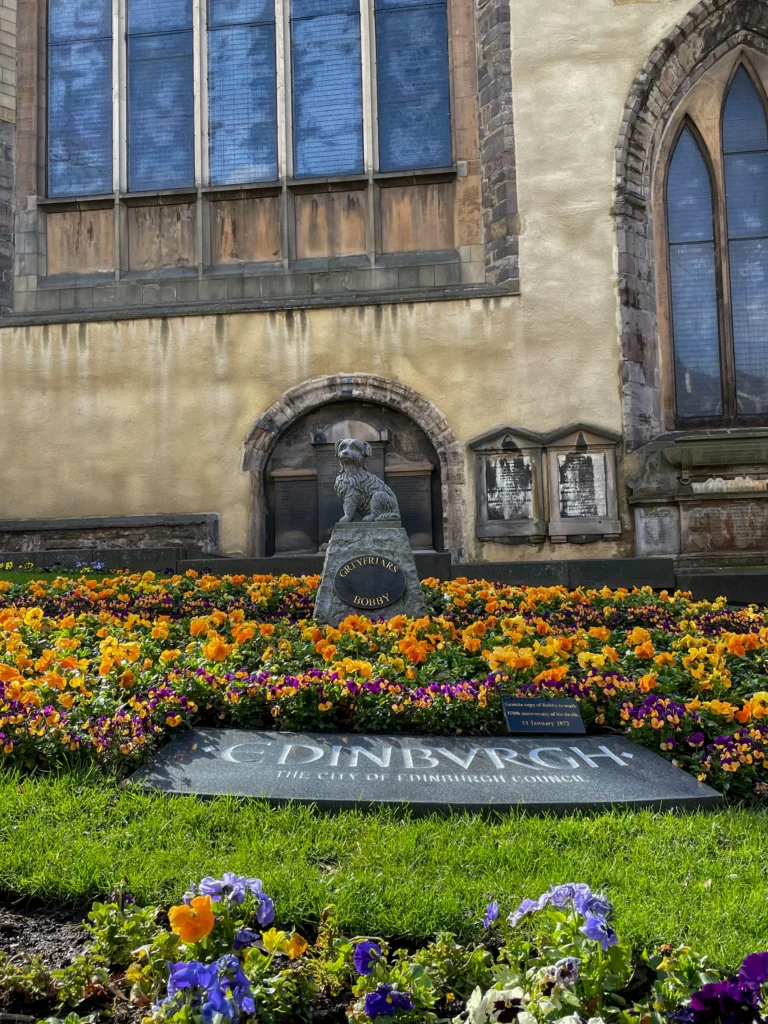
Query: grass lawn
(698, 879)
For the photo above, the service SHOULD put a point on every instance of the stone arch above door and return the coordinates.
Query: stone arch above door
(357, 388)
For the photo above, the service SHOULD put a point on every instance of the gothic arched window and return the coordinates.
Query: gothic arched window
(717, 236)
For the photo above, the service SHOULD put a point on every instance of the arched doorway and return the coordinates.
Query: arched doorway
(301, 504)
(369, 389)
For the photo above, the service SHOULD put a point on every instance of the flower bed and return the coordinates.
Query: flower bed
(107, 669)
(217, 956)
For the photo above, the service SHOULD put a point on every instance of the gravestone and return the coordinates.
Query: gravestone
(657, 529)
(556, 774)
(509, 484)
(412, 485)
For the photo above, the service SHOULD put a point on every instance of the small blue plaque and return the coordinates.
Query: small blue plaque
(542, 715)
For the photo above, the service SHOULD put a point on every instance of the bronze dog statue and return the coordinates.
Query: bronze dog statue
(359, 490)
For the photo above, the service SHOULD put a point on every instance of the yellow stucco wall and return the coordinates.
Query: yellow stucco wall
(149, 416)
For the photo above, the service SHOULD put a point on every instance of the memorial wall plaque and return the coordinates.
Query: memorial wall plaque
(295, 505)
(657, 529)
(369, 582)
(726, 526)
(509, 487)
(541, 715)
(426, 772)
(582, 484)
(414, 496)
(509, 481)
(583, 502)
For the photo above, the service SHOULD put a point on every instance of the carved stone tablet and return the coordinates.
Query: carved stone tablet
(582, 484)
(369, 582)
(509, 487)
(295, 514)
(556, 773)
(657, 529)
(725, 526)
(414, 496)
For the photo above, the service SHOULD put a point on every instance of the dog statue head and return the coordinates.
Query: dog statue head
(351, 452)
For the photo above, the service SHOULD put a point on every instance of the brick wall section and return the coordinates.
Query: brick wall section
(7, 148)
(497, 142)
(710, 30)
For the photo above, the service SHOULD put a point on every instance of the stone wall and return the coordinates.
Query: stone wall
(7, 148)
(188, 532)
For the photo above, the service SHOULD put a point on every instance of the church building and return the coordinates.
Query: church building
(519, 247)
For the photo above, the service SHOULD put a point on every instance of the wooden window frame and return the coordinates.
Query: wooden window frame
(702, 111)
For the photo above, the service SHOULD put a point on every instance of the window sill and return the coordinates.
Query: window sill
(170, 196)
(62, 204)
(162, 197)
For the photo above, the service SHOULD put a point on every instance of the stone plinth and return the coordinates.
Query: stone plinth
(372, 559)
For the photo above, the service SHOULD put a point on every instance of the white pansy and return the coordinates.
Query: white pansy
(488, 1008)
(473, 1007)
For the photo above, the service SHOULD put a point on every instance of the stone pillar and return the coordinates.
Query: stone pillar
(7, 149)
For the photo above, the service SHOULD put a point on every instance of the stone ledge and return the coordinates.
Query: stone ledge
(259, 305)
(428, 564)
(198, 533)
(106, 522)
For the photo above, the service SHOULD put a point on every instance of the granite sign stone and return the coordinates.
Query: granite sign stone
(542, 715)
(428, 772)
(364, 543)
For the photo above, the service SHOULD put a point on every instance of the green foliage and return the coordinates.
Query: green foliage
(68, 838)
(280, 994)
(678, 972)
(119, 931)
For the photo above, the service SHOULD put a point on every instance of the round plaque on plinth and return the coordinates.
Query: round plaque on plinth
(369, 582)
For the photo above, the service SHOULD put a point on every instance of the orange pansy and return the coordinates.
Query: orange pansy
(192, 923)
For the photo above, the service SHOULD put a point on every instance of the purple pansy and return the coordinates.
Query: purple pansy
(190, 975)
(244, 937)
(527, 907)
(598, 930)
(221, 989)
(365, 957)
(726, 1002)
(754, 969)
(234, 888)
(491, 913)
(386, 1001)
